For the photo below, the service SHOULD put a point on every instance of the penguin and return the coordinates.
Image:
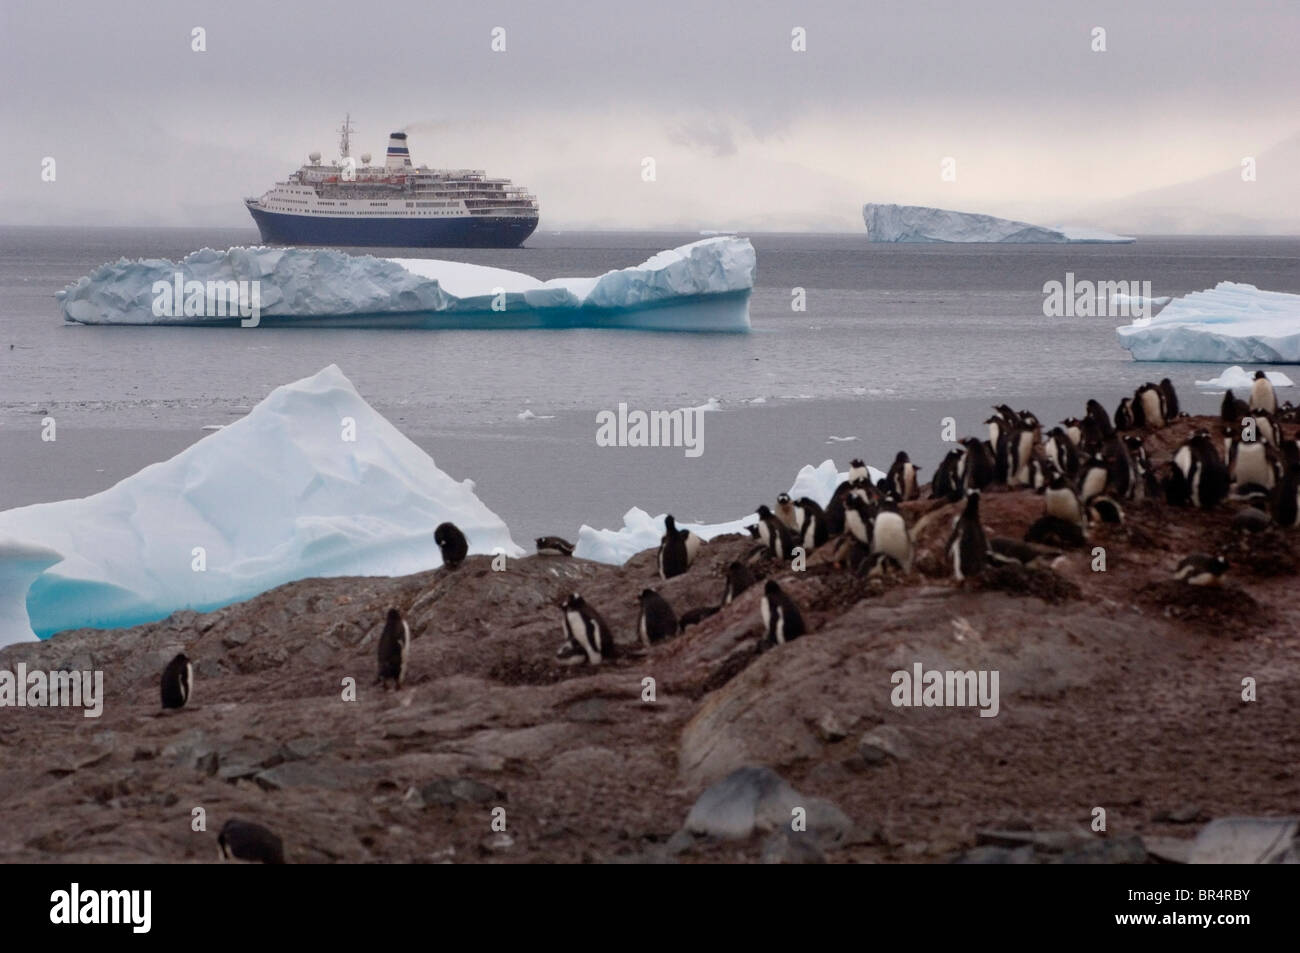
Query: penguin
(677, 549)
(1199, 569)
(739, 578)
(812, 527)
(695, 616)
(1023, 441)
(902, 477)
(1119, 478)
(835, 509)
(1262, 395)
(246, 841)
(1105, 509)
(997, 442)
(1144, 476)
(978, 467)
(587, 637)
(1093, 478)
(890, 535)
(1098, 413)
(1062, 503)
(1061, 452)
(779, 539)
(787, 512)
(1073, 430)
(394, 645)
(1004, 550)
(1207, 476)
(1252, 466)
(1148, 408)
(1171, 409)
(451, 543)
(859, 517)
(657, 621)
(553, 546)
(1124, 414)
(1233, 408)
(177, 678)
(1251, 520)
(782, 621)
(880, 565)
(858, 471)
(946, 484)
(1286, 498)
(968, 547)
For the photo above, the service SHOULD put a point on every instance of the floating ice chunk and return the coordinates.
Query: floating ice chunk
(703, 286)
(1237, 377)
(641, 531)
(1229, 322)
(313, 482)
(20, 565)
(919, 223)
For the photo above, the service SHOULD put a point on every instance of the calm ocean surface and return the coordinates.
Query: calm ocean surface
(894, 338)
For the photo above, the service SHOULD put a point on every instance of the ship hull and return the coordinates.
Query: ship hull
(278, 228)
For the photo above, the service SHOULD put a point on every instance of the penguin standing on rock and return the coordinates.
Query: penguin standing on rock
(779, 539)
(782, 621)
(968, 547)
(249, 842)
(677, 549)
(858, 471)
(902, 477)
(587, 637)
(1262, 395)
(890, 536)
(1170, 397)
(451, 543)
(1062, 503)
(657, 620)
(176, 680)
(946, 484)
(1148, 406)
(787, 512)
(1124, 415)
(1093, 478)
(812, 524)
(394, 646)
(739, 578)
(859, 518)
(1286, 497)
(1233, 408)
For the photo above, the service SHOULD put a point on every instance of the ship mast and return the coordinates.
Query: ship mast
(344, 132)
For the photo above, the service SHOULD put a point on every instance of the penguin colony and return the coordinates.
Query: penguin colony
(1085, 469)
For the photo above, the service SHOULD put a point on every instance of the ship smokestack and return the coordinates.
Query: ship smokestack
(399, 157)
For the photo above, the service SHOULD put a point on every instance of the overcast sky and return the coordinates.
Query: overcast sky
(745, 132)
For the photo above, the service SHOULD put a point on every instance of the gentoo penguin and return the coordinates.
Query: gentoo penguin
(677, 549)
(858, 471)
(1024, 439)
(695, 616)
(813, 531)
(890, 536)
(787, 512)
(998, 429)
(657, 620)
(1104, 424)
(394, 644)
(782, 621)
(1199, 569)
(177, 678)
(1233, 408)
(1062, 503)
(1093, 478)
(739, 578)
(968, 547)
(1060, 451)
(1119, 479)
(451, 543)
(249, 842)
(1252, 465)
(1004, 550)
(835, 509)
(1073, 429)
(779, 539)
(1207, 476)
(553, 546)
(1148, 406)
(1124, 414)
(902, 477)
(1286, 497)
(587, 637)
(1145, 484)
(858, 518)
(1262, 395)
(977, 466)
(1171, 409)
(946, 484)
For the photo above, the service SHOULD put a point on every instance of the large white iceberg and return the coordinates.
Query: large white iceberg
(703, 286)
(641, 531)
(1230, 322)
(312, 482)
(919, 223)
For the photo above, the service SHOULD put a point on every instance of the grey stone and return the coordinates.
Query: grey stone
(1248, 840)
(792, 847)
(884, 742)
(757, 798)
(449, 792)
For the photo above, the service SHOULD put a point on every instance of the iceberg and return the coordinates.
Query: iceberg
(1236, 377)
(702, 286)
(1230, 322)
(641, 531)
(918, 223)
(311, 482)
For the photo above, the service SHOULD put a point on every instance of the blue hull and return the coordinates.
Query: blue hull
(467, 232)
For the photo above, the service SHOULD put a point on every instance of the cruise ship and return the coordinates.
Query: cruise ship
(398, 205)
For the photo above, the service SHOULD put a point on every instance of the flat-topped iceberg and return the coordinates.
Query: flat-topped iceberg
(641, 531)
(703, 286)
(919, 223)
(312, 482)
(1230, 322)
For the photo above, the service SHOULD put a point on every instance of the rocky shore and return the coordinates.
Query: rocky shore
(1120, 689)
